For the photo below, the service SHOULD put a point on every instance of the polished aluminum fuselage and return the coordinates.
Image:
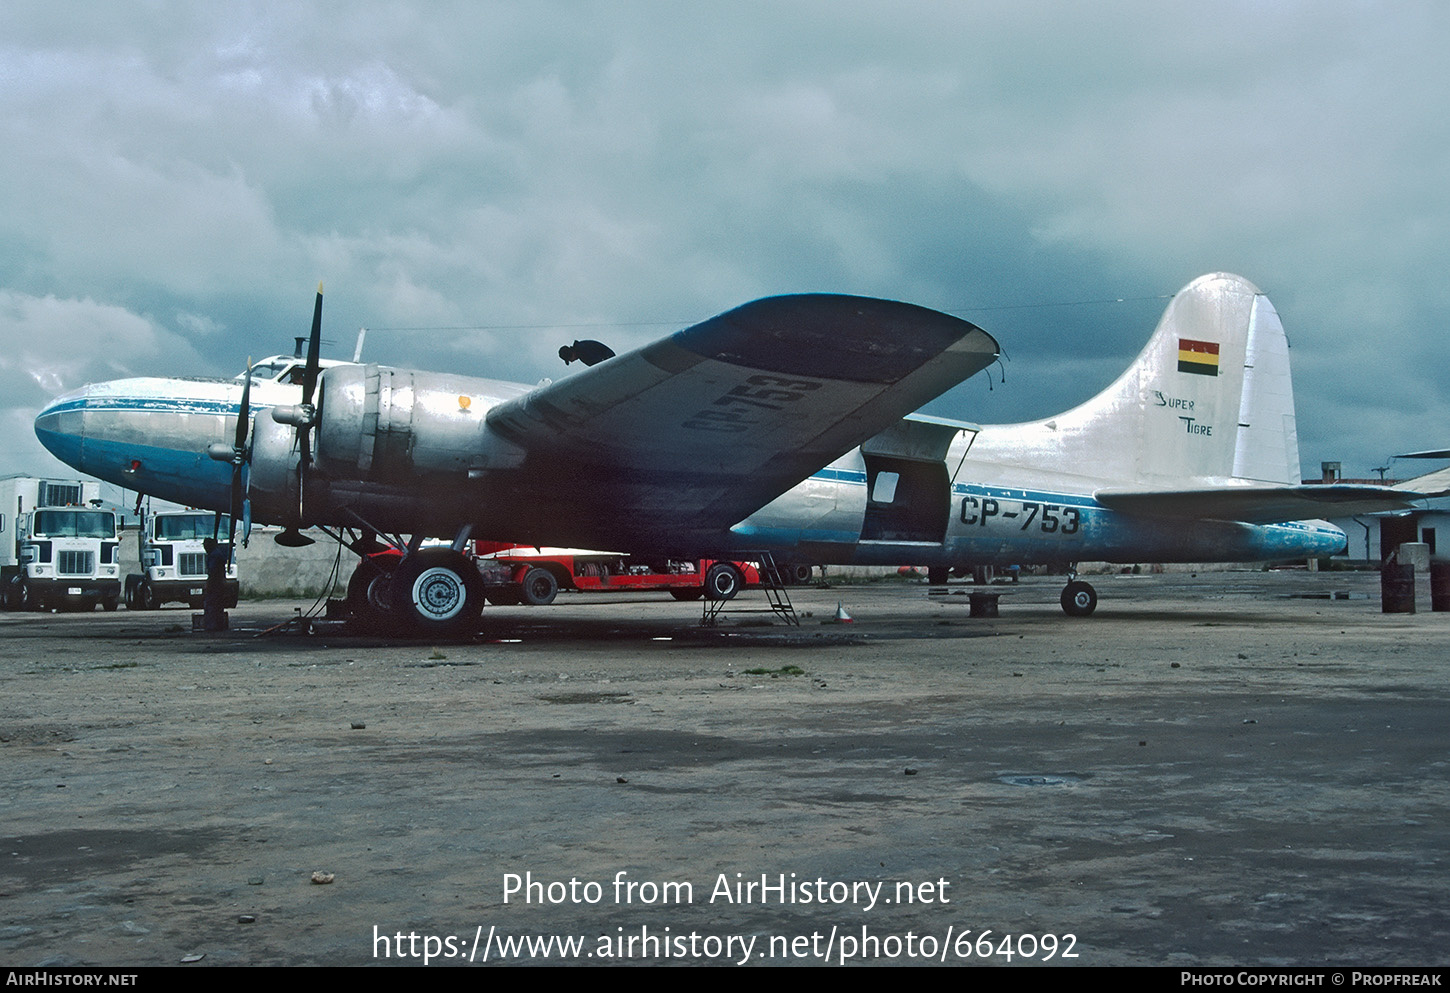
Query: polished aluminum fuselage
(978, 503)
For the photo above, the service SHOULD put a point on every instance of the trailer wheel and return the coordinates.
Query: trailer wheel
(723, 581)
(539, 587)
(437, 591)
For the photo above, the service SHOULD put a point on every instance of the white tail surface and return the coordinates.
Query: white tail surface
(1209, 399)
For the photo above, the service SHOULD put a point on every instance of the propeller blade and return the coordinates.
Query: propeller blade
(239, 452)
(309, 380)
(244, 413)
(235, 510)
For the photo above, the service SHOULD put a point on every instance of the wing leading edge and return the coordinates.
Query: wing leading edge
(695, 432)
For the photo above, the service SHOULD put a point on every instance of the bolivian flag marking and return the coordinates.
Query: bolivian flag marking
(1198, 357)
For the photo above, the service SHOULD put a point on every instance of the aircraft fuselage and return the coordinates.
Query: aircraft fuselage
(913, 494)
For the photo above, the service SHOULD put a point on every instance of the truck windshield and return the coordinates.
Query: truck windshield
(75, 524)
(185, 527)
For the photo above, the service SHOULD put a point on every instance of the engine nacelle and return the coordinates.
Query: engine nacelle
(389, 425)
(399, 450)
(273, 484)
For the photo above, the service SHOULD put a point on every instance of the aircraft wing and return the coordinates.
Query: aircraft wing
(699, 430)
(1261, 504)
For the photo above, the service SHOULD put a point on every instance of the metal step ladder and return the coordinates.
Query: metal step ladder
(775, 593)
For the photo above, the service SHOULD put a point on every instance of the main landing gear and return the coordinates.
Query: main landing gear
(437, 591)
(427, 592)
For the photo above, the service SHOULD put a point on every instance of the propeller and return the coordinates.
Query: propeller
(236, 454)
(303, 416)
(239, 448)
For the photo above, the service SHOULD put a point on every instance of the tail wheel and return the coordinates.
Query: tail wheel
(1079, 599)
(723, 581)
(438, 591)
(794, 575)
(539, 587)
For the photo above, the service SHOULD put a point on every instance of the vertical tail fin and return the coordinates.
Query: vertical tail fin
(1209, 398)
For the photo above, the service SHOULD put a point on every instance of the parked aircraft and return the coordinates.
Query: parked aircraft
(781, 426)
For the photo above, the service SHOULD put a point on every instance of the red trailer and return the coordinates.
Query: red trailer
(537, 574)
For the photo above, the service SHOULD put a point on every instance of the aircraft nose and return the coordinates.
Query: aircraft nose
(61, 426)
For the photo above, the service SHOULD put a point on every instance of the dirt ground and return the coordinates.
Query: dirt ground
(1228, 769)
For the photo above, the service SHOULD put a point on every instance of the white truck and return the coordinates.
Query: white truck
(58, 547)
(173, 560)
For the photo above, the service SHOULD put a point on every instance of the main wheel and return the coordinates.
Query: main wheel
(1079, 599)
(437, 591)
(723, 581)
(539, 587)
(368, 597)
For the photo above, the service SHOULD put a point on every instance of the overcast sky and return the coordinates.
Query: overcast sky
(177, 177)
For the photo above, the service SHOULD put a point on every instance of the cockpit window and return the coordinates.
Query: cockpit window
(272, 371)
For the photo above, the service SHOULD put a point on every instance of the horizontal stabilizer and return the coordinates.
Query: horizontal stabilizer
(1432, 484)
(1260, 504)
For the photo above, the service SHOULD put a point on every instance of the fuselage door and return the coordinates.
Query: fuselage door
(907, 500)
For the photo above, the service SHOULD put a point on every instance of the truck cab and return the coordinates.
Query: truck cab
(173, 560)
(63, 557)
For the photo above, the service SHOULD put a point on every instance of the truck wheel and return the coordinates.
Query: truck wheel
(723, 581)
(21, 597)
(539, 587)
(687, 593)
(110, 603)
(1079, 599)
(438, 592)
